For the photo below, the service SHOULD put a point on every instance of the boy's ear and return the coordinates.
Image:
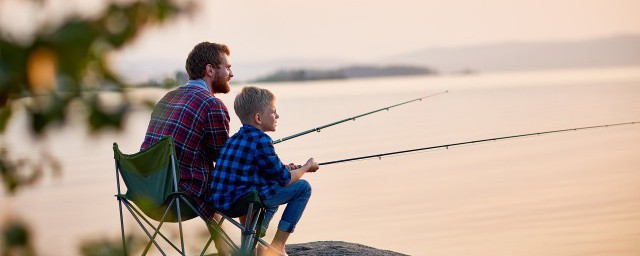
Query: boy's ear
(257, 118)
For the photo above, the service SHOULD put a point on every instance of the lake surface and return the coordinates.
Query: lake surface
(573, 193)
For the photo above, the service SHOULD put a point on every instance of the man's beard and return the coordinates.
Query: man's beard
(221, 85)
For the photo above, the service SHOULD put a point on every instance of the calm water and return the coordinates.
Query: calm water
(564, 194)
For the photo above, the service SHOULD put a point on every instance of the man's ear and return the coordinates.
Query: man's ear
(210, 71)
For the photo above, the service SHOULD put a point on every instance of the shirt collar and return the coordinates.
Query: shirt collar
(199, 83)
(247, 128)
(250, 128)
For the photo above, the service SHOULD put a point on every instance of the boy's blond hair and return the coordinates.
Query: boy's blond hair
(252, 100)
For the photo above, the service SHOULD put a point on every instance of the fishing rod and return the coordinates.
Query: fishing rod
(447, 146)
(317, 129)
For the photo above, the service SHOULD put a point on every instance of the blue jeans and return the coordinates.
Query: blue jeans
(295, 196)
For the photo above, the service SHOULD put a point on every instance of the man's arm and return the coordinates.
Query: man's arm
(216, 130)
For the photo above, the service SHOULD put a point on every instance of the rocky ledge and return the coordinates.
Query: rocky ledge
(331, 248)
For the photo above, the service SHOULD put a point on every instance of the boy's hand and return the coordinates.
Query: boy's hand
(293, 166)
(312, 165)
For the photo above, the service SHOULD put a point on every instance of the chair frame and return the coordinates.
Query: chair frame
(249, 237)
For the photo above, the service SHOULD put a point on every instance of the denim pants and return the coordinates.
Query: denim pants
(295, 196)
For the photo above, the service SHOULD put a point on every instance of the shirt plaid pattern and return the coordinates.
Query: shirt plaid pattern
(247, 161)
(199, 124)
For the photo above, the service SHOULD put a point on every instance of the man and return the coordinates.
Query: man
(197, 120)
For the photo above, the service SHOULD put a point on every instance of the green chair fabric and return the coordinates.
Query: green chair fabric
(149, 179)
(241, 206)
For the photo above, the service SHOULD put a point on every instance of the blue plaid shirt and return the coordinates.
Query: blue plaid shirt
(247, 161)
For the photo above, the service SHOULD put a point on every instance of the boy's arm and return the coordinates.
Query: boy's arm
(269, 162)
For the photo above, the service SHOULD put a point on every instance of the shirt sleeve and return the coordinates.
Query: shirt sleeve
(216, 129)
(269, 162)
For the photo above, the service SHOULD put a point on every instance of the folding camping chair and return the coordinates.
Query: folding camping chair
(151, 177)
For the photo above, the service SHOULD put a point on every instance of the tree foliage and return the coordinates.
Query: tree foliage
(69, 63)
(65, 66)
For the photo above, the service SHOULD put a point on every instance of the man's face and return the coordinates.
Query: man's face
(222, 76)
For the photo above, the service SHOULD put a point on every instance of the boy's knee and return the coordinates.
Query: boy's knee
(306, 187)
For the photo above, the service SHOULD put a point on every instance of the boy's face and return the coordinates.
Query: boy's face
(269, 118)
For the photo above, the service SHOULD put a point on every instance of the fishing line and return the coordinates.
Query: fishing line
(466, 143)
(353, 118)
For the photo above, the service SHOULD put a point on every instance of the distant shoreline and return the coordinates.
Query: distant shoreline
(350, 72)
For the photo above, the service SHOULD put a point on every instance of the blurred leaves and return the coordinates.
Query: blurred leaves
(68, 65)
(62, 69)
(16, 239)
(111, 247)
(62, 64)
(21, 172)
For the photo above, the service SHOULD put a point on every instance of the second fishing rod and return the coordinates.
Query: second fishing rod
(353, 118)
(447, 146)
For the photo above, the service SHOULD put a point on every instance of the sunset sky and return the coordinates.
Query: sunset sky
(357, 30)
(369, 29)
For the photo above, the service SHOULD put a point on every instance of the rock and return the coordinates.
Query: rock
(331, 248)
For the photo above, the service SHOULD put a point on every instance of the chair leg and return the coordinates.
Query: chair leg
(216, 229)
(152, 226)
(246, 233)
(124, 243)
(253, 237)
(244, 228)
(250, 237)
(157, 229)
(206, 246)
(144, 228)
(257, 227)
(180, 225)
(213, 227)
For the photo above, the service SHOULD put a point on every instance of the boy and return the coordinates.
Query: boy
(248, 161)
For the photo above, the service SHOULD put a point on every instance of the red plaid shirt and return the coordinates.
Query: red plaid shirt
(199, 124)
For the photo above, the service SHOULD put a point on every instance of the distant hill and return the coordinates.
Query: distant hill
(343, 73)
(513, 56)
(248, 71)
(603, 52)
